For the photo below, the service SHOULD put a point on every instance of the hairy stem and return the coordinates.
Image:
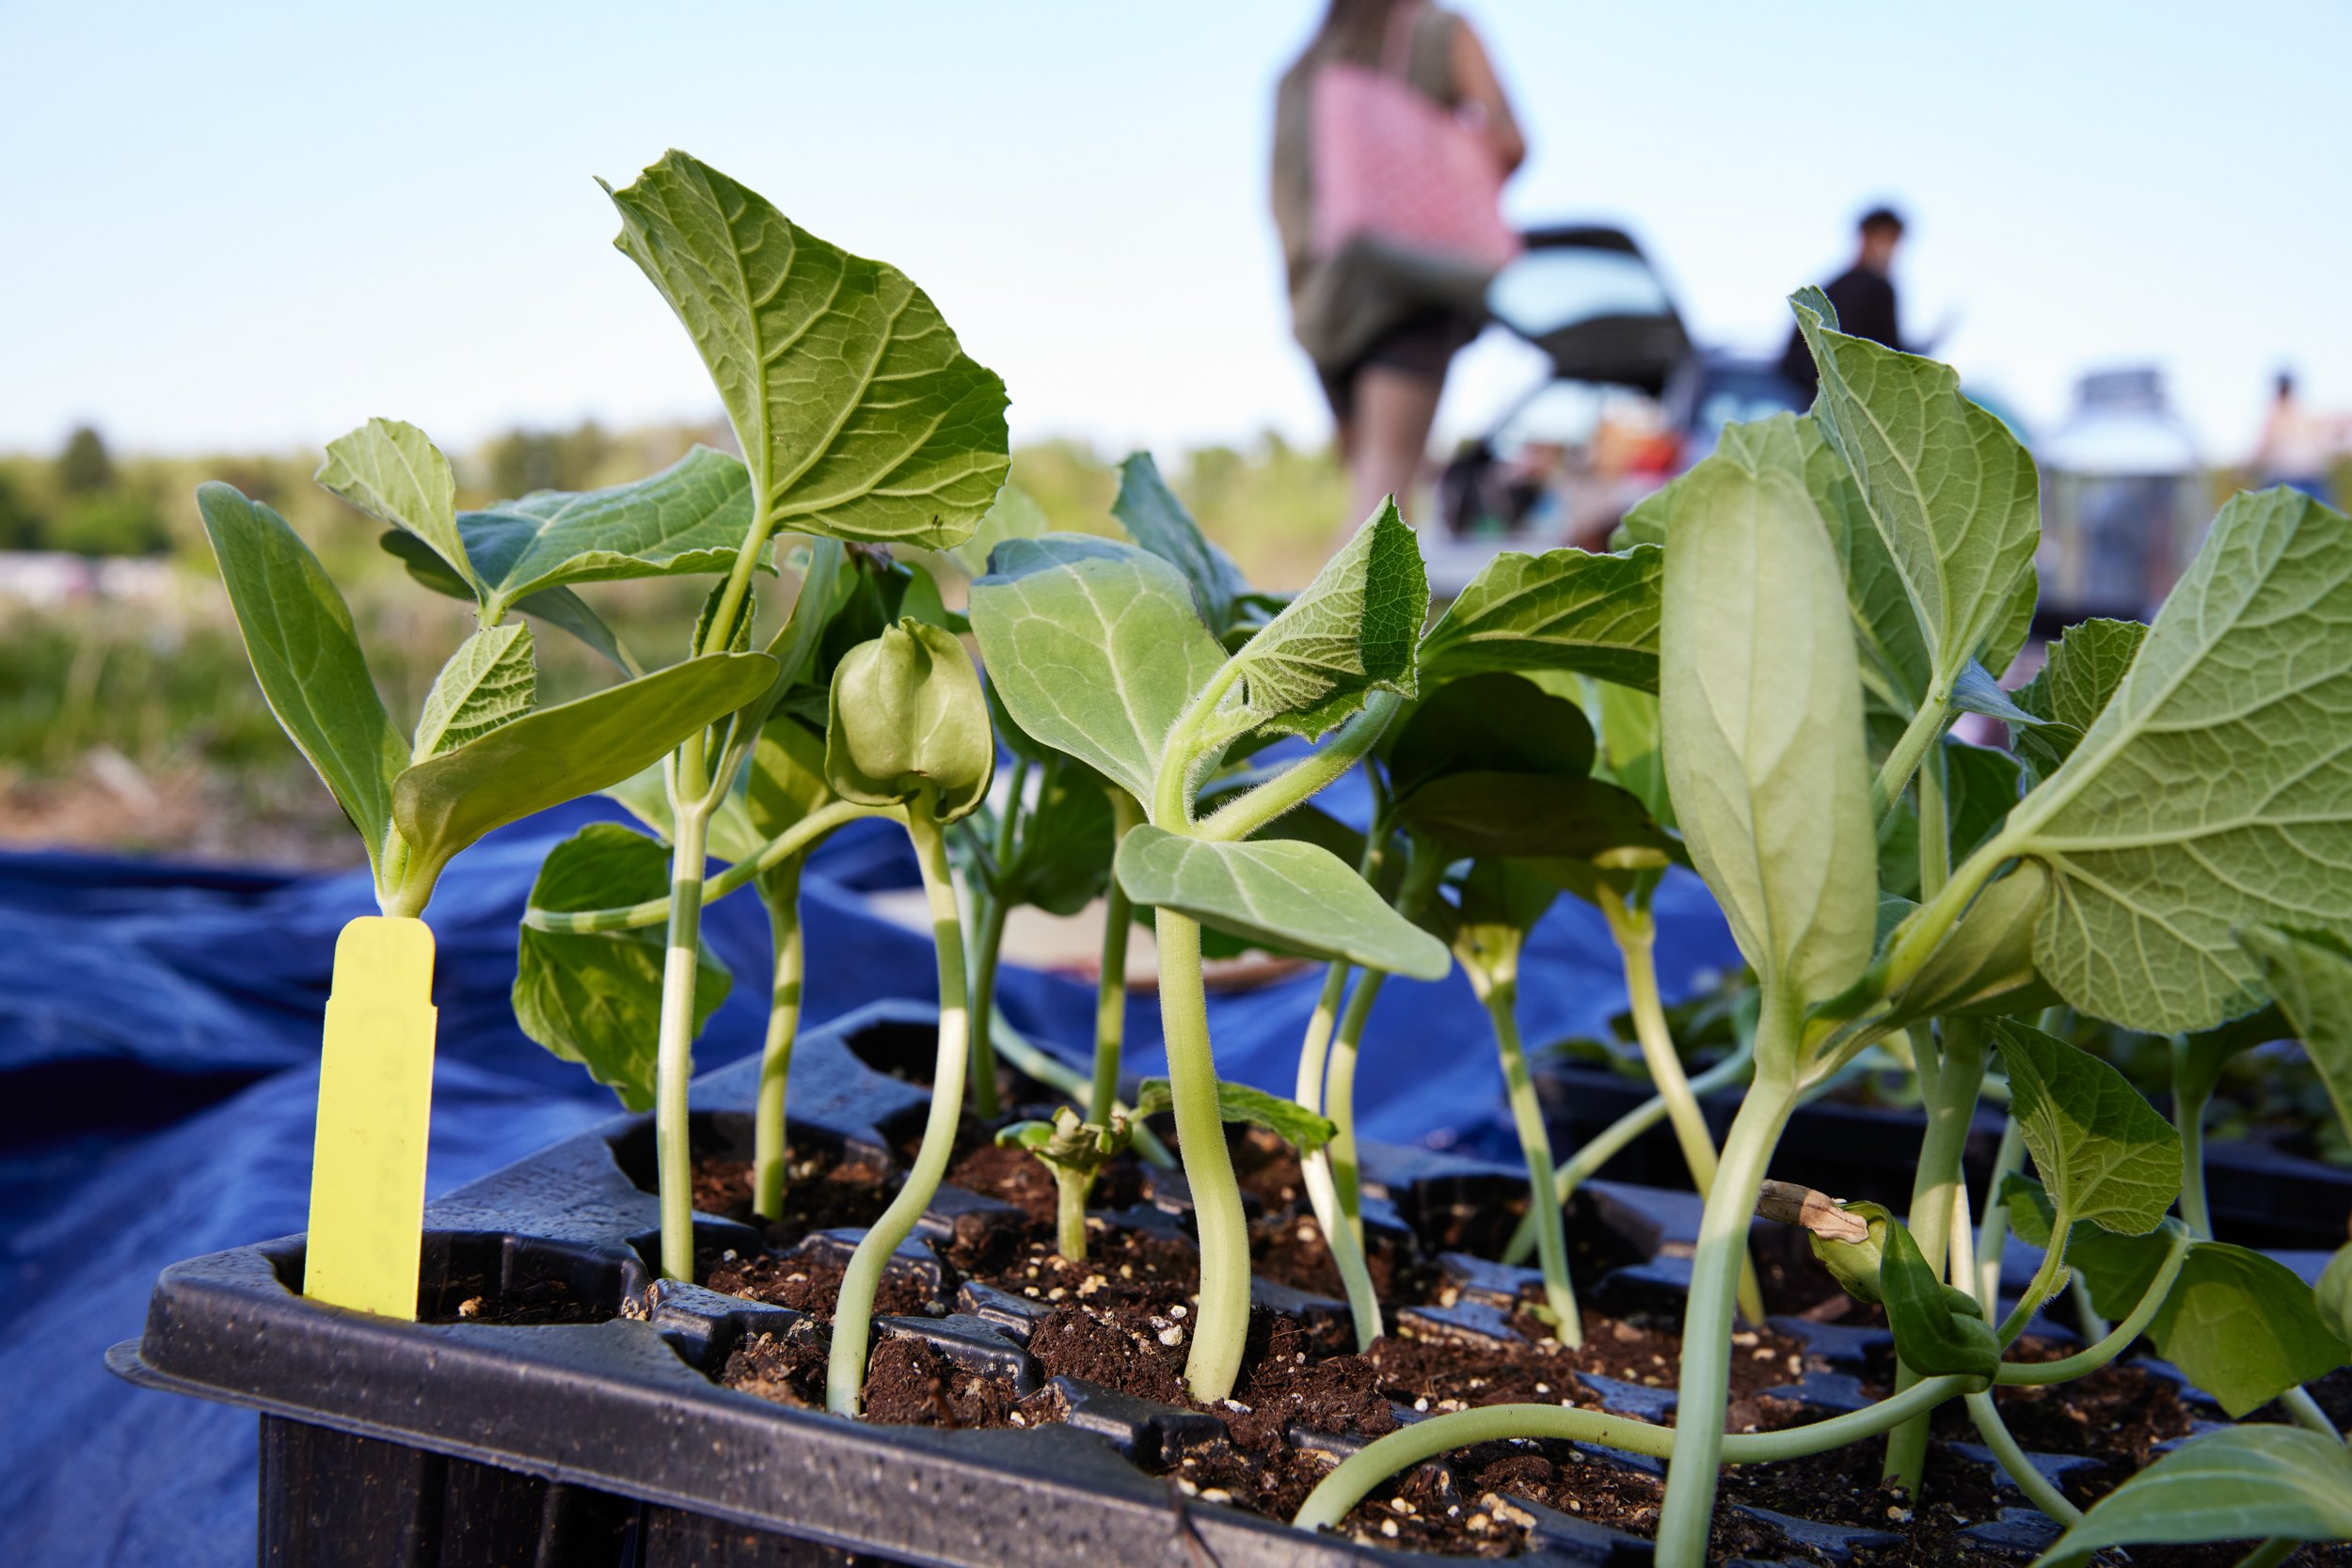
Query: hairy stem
(1689, 1509)
(2044, 1283)
(1221, 1326)
(1926, 724)
(1246, 814)
(1951, 1089)
(1501, 995)
(852, 1319)
(674, 1059)
(1636, 935)
(769, 1152)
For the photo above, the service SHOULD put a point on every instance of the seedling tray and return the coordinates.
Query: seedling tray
(606, 1443)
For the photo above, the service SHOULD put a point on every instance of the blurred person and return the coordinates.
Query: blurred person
(1863, 295)
(2297, 447)
(1380, 341)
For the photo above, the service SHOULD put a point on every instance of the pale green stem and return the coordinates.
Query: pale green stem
(1689, 1509)
(1636, 936)
(673, 1056)
(794, 840)
(1110, 990)
(1347, 1254)
(2305, 1412)
(1246, 814)
(2270, 1552)
(1070, 1212)
(1361, 1472)
(986, 941)
(1951, 1090)
(1055, 1073)
(1221, 1323)
(770, 1153)
(1917, 736)
(2008, 1162)
(1339, 1100)
(1606, 1144)
(2086, 1314)
(1935, 836)
(1500, 993)
(2044, 1283)
(852, 1315)
(2032, 1482)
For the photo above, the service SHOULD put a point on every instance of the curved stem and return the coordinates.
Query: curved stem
(986, 941)
(2032, 1482)
(853, 1317)
(1636, 936)
(1951, 1087)
(1339, 1100)
(1347, 1253)
(1606, 1144)
(1221, 1325)
(2189, 1115)
(2084, 1362)
(1501, 995)
(794, 840)
(1917, 736)
(769, 1152)
(673, 1048)
(2044, 1283)
(1246, 814)
(1689, 1509)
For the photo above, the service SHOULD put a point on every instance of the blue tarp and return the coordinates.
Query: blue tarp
(159, 1033)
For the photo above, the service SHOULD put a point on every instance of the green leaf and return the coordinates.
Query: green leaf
(2105, 1156)
(2311, 974)
(1564, 610)
(1094, 648)
(2332, 1296)
(1980, 788)
(1155, 519)
(1631, 756)
(788, 777)
(1977, 691)
(2243, 1327)
(1938, 1329)
(1351, 632)
(559, 754)
(2215, 790)
(1493, 723)
(1761, 705)
(305, 653)
(691, 516)
(858, 415)
(1286, 1119)
(906, 717)
(1062, 859)
(390, 471)
(2078, 676)
(488, 681)
(596, 998)
(1856, 1265)
(1500, 902)
(1984, 966)
(2240, 1484)
(1893, 649)
(558, 607)
(1284, 894)
(1013, 514)
(1531, 814)
(1955, 499)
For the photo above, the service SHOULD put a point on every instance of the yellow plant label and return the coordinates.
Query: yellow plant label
(376, 1104)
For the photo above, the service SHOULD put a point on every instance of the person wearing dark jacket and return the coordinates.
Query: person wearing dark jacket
(1864, 295)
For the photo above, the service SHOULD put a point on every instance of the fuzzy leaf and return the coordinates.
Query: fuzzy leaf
(1985, 965)
(906, 717)
(1281, 893)
(2240, 1484)
(1096, 649)
(489, 681)
(1155, 519)
(1287, 1119)
(391, 473)
(857, 414)
(1491, 723)
(2105, 1156)
(299, 638)
(2215, 790)
(1564, 610)
(2243, 1327)
(560, 753)
(2311, 977)
(1761, 703)
(596, 998)
(690, 517)
(1352, 631)
(1955, 497)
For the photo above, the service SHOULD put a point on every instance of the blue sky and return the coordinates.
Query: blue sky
(257, 224)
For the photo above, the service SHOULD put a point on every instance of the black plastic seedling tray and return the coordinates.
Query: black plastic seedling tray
(2259, 1198)
(607, 1444)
